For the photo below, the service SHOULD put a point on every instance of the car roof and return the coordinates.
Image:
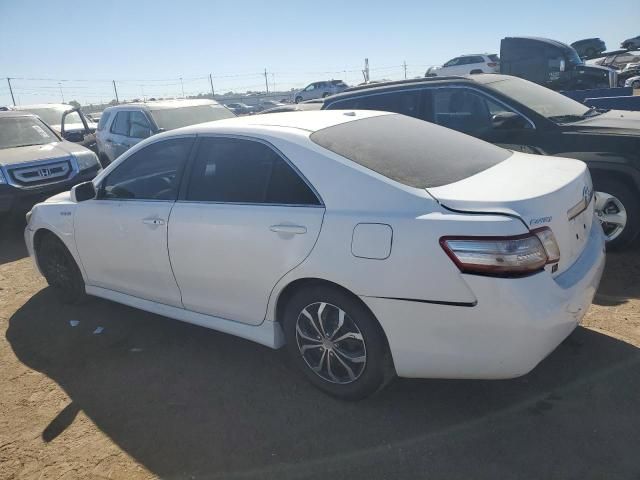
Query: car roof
(43, 105)
(541, 39)
(15, 113)
(163, 104)
(399, 84)
(310, 121)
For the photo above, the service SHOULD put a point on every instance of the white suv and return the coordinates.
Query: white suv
(466, 64)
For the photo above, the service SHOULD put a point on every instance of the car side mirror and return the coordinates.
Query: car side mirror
(83, 191)
(508, 120)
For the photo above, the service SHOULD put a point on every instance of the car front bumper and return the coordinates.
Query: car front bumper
(16, 199)
(515, 324)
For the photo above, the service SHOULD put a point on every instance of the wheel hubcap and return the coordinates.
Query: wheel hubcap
(330, 343)
(612, 215)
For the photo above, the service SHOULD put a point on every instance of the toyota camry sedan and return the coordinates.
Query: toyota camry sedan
(369, 244)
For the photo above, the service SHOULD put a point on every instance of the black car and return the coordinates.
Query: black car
(589, 47)
(523, 116)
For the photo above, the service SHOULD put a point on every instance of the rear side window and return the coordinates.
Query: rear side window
(104, 120)
(476, 59)
(412, 152)
(405, 102)
(233, 170)
(120, 124)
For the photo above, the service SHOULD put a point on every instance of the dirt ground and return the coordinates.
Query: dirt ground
(151, 397)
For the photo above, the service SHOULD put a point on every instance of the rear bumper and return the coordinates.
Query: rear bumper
(15, 199)
(515, 324)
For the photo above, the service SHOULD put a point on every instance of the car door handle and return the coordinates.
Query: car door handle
(153, 221)
(294, 229)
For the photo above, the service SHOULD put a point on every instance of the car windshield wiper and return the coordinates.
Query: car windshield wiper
(592, 112)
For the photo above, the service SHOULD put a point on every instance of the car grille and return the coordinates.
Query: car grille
(40, 173)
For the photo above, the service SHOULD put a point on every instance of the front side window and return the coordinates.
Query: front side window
(139, 126)
(405, 102)
(121, 124)
(310, 87)
(235, 170)
(453, 62)
(152, 173)
(471, 112)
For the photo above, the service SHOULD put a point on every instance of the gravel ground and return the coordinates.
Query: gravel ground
(150, 397)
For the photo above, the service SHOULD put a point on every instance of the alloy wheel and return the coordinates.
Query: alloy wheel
(331, 343)
(611, 214)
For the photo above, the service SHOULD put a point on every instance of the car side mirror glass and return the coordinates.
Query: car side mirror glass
(83, 191)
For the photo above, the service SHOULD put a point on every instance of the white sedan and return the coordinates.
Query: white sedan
(369, 243)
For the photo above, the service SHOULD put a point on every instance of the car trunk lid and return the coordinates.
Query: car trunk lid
(541, 191)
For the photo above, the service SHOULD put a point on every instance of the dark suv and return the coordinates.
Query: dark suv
(521, 115)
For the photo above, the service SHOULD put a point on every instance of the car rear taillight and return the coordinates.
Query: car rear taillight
(492, 64)
(503, 256)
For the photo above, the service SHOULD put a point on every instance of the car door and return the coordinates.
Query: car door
(309, 92)
(118, 140)
(245, 220)
(121, 235)
(475, 113)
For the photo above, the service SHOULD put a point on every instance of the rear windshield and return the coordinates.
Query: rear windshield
(410, 151)
(170, 118)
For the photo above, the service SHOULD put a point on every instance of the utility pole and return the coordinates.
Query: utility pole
(182, 85)
(273, 82)
(266, 80)
(404, 64)
(115, 90)
(61, 94)
(11, 90)
(365, 72)
(211, 82)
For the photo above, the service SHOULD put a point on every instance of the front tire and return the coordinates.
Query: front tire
(618, 209)
(336, 342)
(60, 269)
(298, 99)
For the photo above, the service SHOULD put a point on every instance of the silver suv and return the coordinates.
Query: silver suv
(320, 90)
(122, 126)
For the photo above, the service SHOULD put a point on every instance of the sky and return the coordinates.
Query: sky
(72, 50)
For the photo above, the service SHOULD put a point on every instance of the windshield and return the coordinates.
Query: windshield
(540, 99)
(170, 118)
(53, 115)
(24, 131)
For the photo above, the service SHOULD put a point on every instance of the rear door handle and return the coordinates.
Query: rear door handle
(294, 229)
(153, 221)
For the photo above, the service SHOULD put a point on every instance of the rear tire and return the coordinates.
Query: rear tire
(476, 71)
(60, 269)
(635, 84)
(631, 205)
(336, 342)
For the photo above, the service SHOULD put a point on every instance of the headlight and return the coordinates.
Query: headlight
(86, 160)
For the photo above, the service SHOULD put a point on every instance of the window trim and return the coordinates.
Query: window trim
(131, 153)
(184, 185)
(426, 87)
